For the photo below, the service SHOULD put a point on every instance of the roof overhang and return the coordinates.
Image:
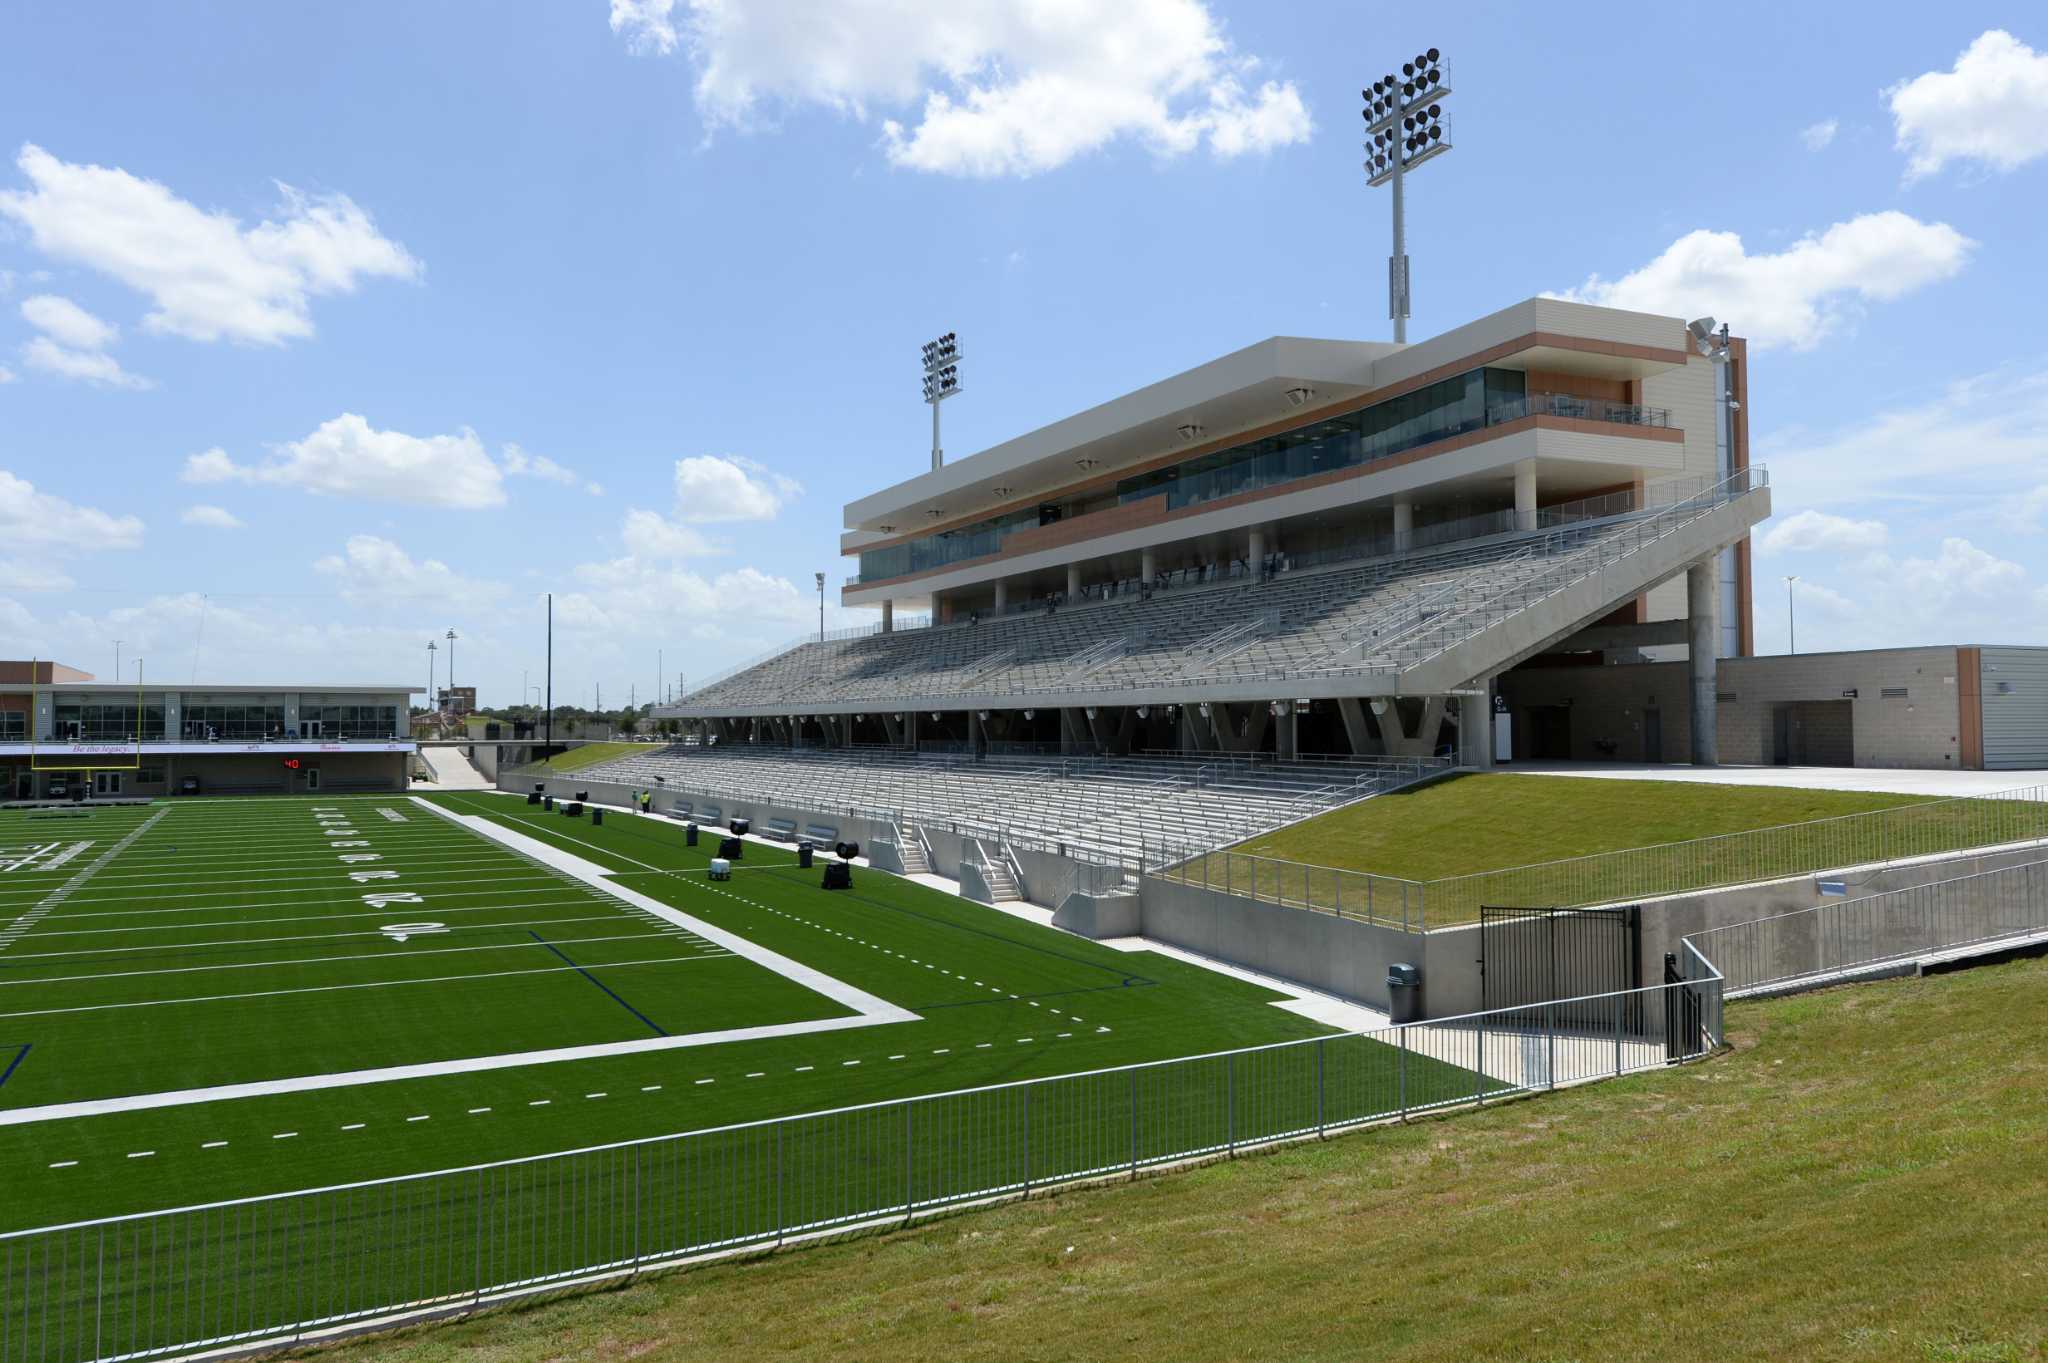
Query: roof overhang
(1247, 388)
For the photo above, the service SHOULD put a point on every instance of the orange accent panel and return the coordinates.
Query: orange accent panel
(1970, 708)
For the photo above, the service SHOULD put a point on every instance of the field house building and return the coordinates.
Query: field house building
(62, 734)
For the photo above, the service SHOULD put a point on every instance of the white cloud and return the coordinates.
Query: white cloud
(19, 575)
(207, 276)
(1960, 570)
(1004, 87)
(647, 25)
(64, 322)
(32, 519)
(211, 517)
(347, 457)
(1797, 296)
(1811, 531)
(6, 374)
(712, 487)
(2027, 512)
(1819, 136)
(73, 344)
(91, 366)
(373, 570)
(650, 535)
(1991, 107)
(517, 463)
(1980, 443)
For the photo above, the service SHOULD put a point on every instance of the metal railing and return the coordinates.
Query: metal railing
(1845, 936)
(1584, 409)
(293, 1266)
(1877, 836)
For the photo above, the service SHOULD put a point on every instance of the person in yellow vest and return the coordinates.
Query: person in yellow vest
(646, 802)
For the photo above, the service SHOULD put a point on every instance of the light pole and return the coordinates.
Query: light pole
(431, 647)
(941, 381)
(117, 660)
(821, 590)
(1403, 129)
(451, 659)
(1791, 615)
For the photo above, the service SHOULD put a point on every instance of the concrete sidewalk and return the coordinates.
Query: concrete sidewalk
(1934, 785)
(452, 771)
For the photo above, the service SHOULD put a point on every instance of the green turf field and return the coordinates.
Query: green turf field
(184, 946)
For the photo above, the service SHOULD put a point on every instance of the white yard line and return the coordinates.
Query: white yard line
(26, 923)
(870, 1006)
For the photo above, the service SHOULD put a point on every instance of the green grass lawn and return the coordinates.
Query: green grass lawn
(1541, 841)
(1864, 1178)
(586, 755)
(245, 948)
(1485, 822)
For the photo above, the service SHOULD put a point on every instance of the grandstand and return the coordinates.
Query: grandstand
(1303, 548)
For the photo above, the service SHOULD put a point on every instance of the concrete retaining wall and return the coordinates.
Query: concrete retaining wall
(1100, 915)
(1341, 955)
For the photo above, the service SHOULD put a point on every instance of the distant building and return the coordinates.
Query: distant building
(61, 732)
(457, 700)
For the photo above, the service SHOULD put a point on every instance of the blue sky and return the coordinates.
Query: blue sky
(325, 331)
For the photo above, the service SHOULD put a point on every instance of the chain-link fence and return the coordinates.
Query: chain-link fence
(301, 1264)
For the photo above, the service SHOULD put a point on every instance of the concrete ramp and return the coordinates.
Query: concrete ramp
(1559, 599)
(453, 770)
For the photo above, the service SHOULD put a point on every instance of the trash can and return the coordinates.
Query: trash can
(596, 817)
(689, 835)
(838, 876)
(1404, 994)
(803, 855)
(549, 804)
(732, 849)
(533, 797)
(741, 827)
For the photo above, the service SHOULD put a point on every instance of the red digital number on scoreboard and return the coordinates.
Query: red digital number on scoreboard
(291, 763)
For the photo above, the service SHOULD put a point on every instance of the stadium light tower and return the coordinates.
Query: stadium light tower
(1404, 127)
(821, 584)
(451, 658)
(941, 381)
(431, 647)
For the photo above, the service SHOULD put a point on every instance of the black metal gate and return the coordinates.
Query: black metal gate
(1542, 956)
(1685, 1031)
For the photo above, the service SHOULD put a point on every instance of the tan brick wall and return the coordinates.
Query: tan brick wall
(1922, 729)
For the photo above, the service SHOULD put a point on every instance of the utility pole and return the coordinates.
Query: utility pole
(551, 671)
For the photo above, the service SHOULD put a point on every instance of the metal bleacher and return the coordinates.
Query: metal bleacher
(1380, 615)
(1113, 810)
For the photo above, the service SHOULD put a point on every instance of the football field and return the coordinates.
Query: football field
(212, 999)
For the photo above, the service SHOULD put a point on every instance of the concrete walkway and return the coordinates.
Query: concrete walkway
(452, 771)
(1934, 785)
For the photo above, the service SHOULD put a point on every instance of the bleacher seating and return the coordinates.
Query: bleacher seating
(1316, 620)
(1112, 809)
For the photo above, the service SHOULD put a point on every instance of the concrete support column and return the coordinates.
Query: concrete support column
(1073, 582)
(977, 733)
(1404, 525)
(1284, 742)
(1355, 731)
(1703, 636)
(1002, 595)
(1475, 728)
(888, 616)
(1148, 565)
(1525, 495)
(1255, 553)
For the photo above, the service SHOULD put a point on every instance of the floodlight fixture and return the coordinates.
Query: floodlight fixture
(941, 359)
(1189, 430)
(1299, 395)
(1404, 122)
